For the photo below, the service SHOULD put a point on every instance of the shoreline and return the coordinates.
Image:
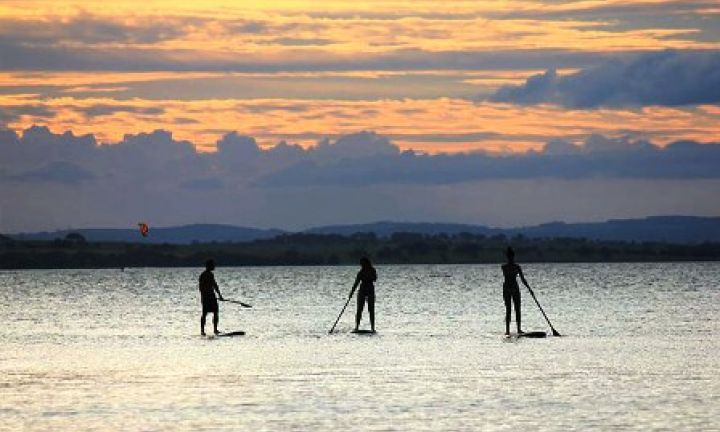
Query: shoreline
(333, 250)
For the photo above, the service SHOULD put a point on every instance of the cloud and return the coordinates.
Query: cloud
(89, 30)
(287, 41)
(20, 56)
(603, 10)
(110, 109)
(432, 125)
(355, 178)
(389, 37)
(669, 78)
(247, 26)
(235, 148)
(597, 156)
(56, 172)
(238, 155)
(8, 138)
(38, 146)
(366, 158)
(354, 146)
(184, 121)
(11, 114)
(144, 158)
(153, 159)
(598, 144)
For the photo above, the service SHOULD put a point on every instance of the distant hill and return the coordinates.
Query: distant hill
(385, 229)
(673, 229)
(202, 233)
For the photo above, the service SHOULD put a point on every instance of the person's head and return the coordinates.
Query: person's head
(210, 265)
(365, 262)
(510, 254)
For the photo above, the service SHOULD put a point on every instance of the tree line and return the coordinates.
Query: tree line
(74, 251)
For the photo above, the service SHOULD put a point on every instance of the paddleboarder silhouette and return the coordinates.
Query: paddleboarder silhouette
(366, 278)
(511, 291)
(208, 287)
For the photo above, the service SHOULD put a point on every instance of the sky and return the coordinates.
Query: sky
(294, 114)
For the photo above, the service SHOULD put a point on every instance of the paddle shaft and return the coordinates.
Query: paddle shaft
(555, 332)
(341, 313)
(237, 302)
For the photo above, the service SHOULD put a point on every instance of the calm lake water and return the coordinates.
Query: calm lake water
(112, 350)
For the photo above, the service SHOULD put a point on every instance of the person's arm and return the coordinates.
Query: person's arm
(522, 277)
(217, 289)
(357, 281)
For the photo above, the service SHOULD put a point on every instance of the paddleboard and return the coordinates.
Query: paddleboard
(233, 333)
(535, 334)
(363, 332)
(532, 335)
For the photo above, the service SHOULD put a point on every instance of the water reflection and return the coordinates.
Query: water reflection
(113, 350)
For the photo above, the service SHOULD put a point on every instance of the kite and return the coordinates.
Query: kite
(144, 229)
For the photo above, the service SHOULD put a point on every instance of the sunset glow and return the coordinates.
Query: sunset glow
(400, 68)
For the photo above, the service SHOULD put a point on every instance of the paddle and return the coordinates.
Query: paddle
(237, 302)
(555, 333)
(341, 312)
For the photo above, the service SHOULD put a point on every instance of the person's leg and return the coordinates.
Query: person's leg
(202, 322)
(516, 301)
(359, 311)
(371, 310)
(216, 320)
(506, 298)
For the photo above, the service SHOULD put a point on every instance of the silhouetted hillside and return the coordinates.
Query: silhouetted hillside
(386, 229)
(201, 233)
(672, 229)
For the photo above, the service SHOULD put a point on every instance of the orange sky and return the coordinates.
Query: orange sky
(302, 70)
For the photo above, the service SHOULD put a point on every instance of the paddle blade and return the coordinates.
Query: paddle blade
(555, 333)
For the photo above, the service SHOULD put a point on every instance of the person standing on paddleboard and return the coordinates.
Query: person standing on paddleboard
(511, 290)
(366, 278)
(208, 287)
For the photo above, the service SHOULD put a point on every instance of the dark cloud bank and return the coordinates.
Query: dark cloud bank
(670, 78)
(362, 159)
(50, 181)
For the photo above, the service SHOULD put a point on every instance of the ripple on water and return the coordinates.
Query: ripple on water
(121, 350)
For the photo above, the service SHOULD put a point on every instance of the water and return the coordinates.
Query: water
(112, 350)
